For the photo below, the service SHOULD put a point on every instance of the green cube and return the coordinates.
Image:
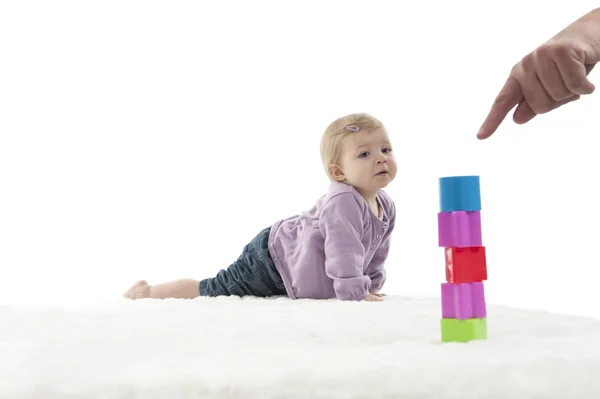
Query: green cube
(454, 330)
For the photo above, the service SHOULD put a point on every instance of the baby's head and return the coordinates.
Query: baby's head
(356, 149)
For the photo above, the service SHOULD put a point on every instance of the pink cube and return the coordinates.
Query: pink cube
(459, 229)
(463, 301)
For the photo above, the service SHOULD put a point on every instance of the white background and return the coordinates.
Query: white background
(153, 140)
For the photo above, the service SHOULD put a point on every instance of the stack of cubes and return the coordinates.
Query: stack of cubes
(464, 316)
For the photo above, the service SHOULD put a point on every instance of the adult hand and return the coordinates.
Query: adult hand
(551, 76)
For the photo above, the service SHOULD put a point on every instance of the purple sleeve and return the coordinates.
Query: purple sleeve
(341, 223)
(376, 269)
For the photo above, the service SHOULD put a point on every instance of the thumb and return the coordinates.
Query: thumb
(523, 113)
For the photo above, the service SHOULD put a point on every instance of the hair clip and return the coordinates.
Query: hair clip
(353, 128)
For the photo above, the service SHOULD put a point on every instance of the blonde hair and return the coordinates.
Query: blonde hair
(337, 131)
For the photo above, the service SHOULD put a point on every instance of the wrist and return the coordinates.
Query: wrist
(592, 33)
(592, 16)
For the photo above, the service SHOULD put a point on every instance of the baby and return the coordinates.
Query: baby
(337, 249)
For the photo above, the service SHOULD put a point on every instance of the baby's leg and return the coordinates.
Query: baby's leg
(181, 289)
(252, 274)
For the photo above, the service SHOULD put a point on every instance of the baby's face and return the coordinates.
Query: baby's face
(367, 161)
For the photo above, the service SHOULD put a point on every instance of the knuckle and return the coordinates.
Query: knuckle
(516, 68)
(544, 52)
(562, 50)
(555, 49)
(527, 64)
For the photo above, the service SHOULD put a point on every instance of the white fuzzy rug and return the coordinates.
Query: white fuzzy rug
(278, 348)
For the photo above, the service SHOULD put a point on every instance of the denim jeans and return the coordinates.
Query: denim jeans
(252, 274)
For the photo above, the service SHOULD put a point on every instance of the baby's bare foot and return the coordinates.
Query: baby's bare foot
(139, 290)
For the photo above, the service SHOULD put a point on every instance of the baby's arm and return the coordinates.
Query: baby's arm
(342, 226)
(376, 269)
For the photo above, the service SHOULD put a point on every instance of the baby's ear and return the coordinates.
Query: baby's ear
(336, 172)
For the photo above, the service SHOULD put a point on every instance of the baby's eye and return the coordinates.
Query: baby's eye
(364, 154)
(386, 150)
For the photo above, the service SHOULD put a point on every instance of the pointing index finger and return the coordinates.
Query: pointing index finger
(507, 99)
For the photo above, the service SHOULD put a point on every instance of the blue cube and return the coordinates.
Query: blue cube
(460, 193)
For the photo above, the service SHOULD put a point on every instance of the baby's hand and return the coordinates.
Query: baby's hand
(373, 298)
(379, 294)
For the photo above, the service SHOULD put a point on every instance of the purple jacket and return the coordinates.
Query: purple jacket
(337, 249)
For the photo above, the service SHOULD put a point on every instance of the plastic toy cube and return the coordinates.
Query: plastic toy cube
(463, 301)
(459, 229)
(454, 330)
(460, 193)
(465, 265)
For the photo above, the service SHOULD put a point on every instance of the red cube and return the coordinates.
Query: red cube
(465, 265)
